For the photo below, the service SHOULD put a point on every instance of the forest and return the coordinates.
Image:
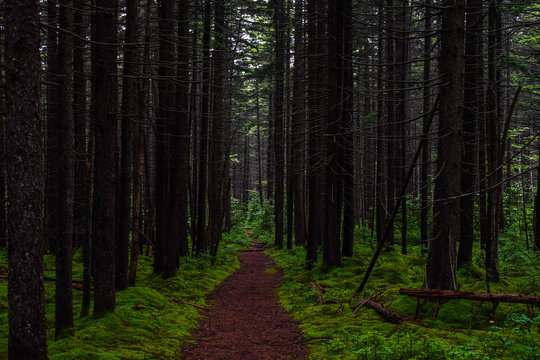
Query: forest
(269, 179)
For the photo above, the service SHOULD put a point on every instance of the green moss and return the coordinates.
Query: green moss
(146, 323)
(462, 330)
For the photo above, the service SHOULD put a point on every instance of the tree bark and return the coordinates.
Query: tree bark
(163, 256)
(103, 220)
(347, 131)
(130, 108)
(178, 231)
(65, 154)
(52, 162)
(441, 269)
(24, 144)
(426, 103)
(472, 94)
(279, 75)
(298, 127)
(218, 183)
(469, 295)
(203, 149)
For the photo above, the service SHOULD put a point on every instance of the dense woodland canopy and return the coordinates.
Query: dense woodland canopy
(137, 127)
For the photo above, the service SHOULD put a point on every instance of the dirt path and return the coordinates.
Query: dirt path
(245, 320)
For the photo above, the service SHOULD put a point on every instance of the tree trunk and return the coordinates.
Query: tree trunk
(218, 183)
(64, 133)
(493, 143)
(203, 149)
(52, 162)
(348, 137)
(103, 224)
(298, 128)
(441, 269)
(163, 256)
(334, 153)
(26, 316)
(315, 197)
(81, 197)
(130, 108)
(178, 231)
(279, 75)
(472, 94)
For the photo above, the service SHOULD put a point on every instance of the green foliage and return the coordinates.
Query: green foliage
(260, 217)
(146, 324)
(462, 330)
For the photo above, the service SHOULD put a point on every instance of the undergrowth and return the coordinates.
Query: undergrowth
(146, 323)
(462, 329)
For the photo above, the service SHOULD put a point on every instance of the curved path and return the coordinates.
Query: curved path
(245, 320)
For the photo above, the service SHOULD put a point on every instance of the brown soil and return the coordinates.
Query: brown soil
(245, 320)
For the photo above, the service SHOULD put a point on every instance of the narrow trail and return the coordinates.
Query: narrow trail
(245, 320)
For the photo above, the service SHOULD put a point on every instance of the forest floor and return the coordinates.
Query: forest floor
(245, 319)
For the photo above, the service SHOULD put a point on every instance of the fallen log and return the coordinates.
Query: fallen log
(469, 295)
(385, 313)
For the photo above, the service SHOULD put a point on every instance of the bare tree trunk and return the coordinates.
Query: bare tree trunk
(278, 122)
(52, 161)
(64, 133)
(424, 212)
(473, 92)
(493, 143)
(441, 265)
(103, 224)
(203, 150)
(130, 108)
(218, 183)
(178, 231)
(26, 316)
(163, 254)
(348, 137)
(298, 127)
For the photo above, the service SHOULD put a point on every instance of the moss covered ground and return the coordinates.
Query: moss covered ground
(462, 330)
(146, 324)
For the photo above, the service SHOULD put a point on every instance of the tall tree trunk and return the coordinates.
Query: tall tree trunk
(203, 149)
(178, 231)
(259, 147)
(314, 151)
(493, 142)
(130, 108)
(298, 127)
(138, 153)
(81, 197)
(218, 183)
(392, 160)
(424, 191)
(345, 12)
(52, 161)
(279, 75)
(26, 316)
(380, 178)
(334, 152)
(103, 224)
(64, 133)
(162, 254)
(472, 93)
(402, 50)
(441, 267)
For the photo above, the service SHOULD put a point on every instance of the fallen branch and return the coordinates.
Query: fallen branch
(469, 295)
(385, 313)
(176, 300)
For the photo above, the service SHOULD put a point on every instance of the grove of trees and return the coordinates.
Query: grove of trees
(133, 127)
